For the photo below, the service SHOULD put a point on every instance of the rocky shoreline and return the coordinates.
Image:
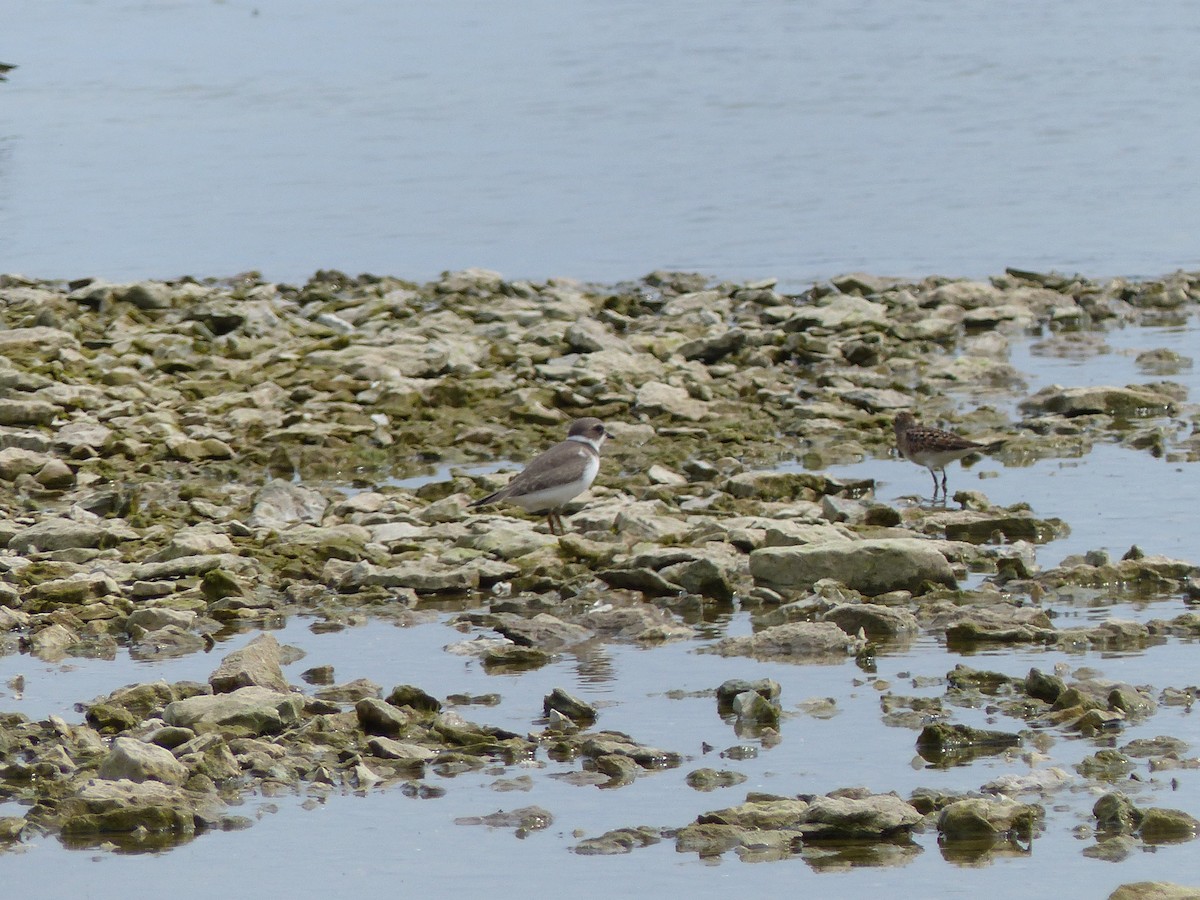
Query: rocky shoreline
(182, 462)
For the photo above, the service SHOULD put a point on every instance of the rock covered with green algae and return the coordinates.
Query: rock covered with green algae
(380, 370)
(1115, 813)
(1155, 890)
(785, 824)
(989, 820)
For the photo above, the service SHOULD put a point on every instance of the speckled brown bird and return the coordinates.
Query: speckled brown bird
(933, 448)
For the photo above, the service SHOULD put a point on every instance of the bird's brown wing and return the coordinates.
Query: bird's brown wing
(939, 440)
(550, 470)
(563, 462)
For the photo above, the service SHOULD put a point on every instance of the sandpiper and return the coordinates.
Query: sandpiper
(558, 476)
(933, 448)
(5, 68)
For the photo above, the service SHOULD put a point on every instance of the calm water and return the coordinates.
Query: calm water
(597, 139)
(602, 140)
(1112, 498)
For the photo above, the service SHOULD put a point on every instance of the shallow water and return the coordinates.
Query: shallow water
(388, 840)
(1113, 497)
(596, 140)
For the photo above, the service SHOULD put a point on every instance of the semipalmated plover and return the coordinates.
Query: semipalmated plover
(558, 476)
(933, 448)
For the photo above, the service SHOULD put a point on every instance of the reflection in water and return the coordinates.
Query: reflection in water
(837, 856)
(432, 474)
(594, 665)
(985, 851)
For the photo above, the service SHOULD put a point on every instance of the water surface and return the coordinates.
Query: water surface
(599, 139)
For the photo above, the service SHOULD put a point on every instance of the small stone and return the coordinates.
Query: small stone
(570, 706)
(1116, 814)
(1045, 687)
(414, 698)
(729, 690)
(280, 504)
(15, 461)
(662, 475)
(351, 692)
(657, 398)
(712, 779)
(379, 717)
(258, 663)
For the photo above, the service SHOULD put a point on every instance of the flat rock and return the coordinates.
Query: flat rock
(38, 339)
(710, 839)
(1160, 825)
(618, 841)
(18, 411)
(112, 807)
(980, 526)
(1155, 890)
(83, 438)
(62, 534)
(350, 692)
(877, 816)
(840, 312)
(185, 566)
(136, 760)
(15, 461)
(152, 618)
(1130, 402)
(387, 748)
(873, 620)
(655, 397)
(645, 624)
(258, 710)
(280, 504)
(425, 575)
(767, 815)
(193, 542)
(793, 642)
(870, 567)
(943, 741)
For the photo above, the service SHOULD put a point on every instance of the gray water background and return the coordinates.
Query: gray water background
(597, 139)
